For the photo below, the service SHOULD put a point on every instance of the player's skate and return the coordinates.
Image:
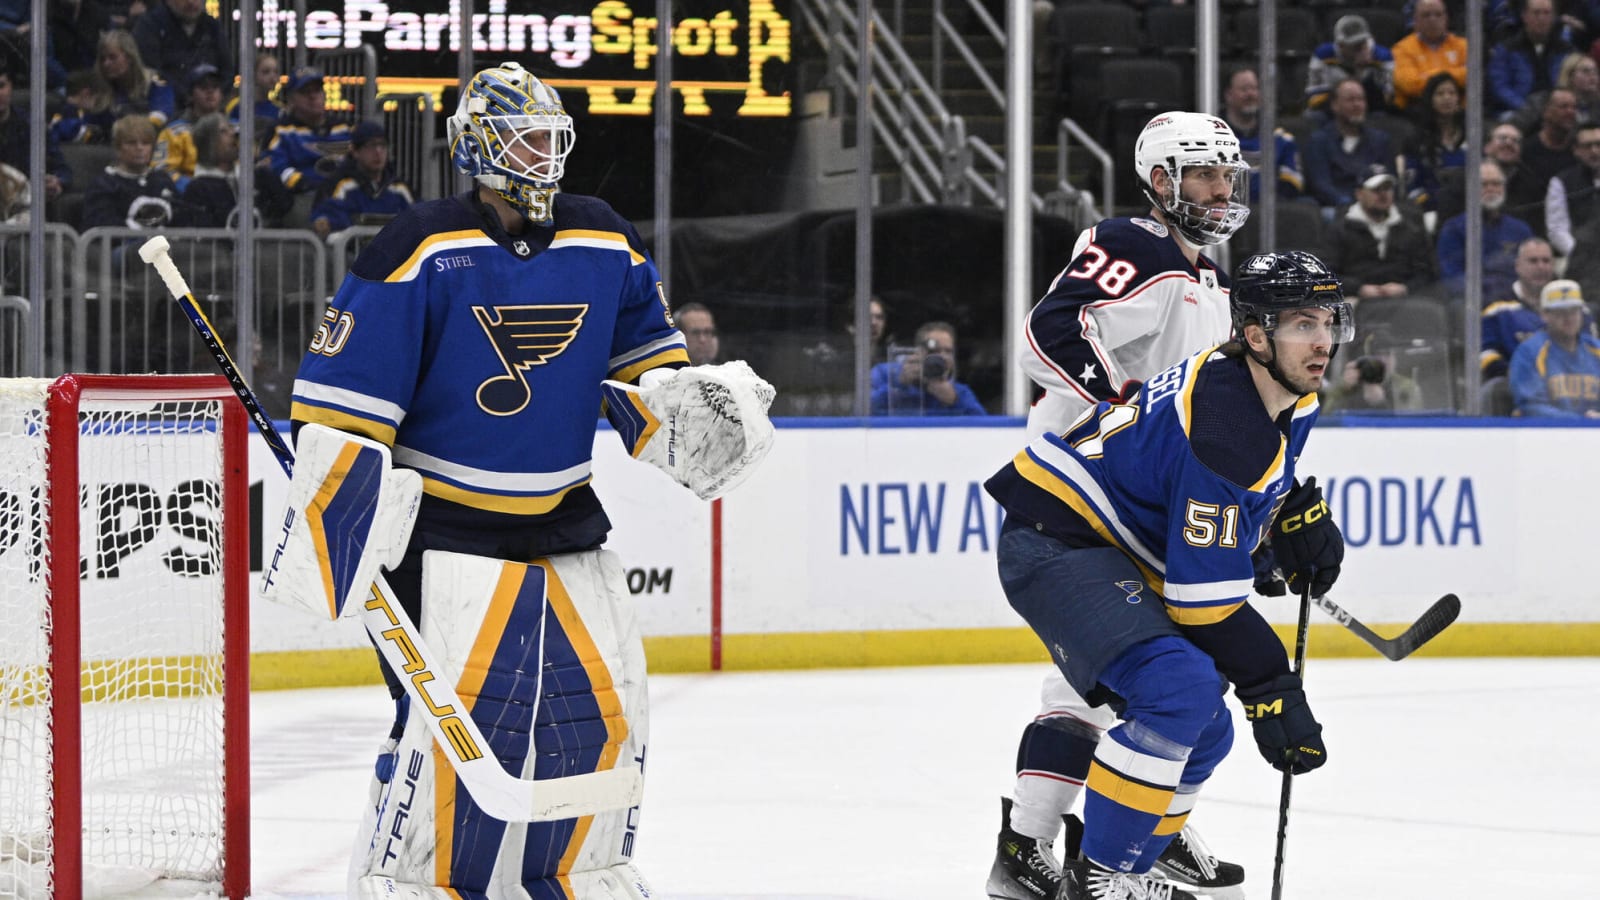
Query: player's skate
(1025, 868)
(1190, 864)
(1083, 879)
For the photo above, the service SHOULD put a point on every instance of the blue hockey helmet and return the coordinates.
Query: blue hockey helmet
(511, 133)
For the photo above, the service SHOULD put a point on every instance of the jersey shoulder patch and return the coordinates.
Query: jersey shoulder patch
(1151, 225)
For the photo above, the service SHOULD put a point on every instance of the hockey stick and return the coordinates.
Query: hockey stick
(1436, 619)
(499, 793)
(1300, 632)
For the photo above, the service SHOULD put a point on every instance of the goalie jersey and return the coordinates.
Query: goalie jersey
(1185, 480)
(1127, 306)
(479, 355)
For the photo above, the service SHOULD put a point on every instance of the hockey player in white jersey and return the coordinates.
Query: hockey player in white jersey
(445, 416)
(1137, 297)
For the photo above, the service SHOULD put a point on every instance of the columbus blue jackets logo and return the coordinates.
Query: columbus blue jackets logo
(523, 337)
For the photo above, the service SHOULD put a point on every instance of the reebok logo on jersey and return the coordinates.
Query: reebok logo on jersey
(523, 337)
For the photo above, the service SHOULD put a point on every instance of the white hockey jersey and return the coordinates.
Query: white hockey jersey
(1128, 306)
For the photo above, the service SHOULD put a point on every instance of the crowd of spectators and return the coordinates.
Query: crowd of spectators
(169, 65)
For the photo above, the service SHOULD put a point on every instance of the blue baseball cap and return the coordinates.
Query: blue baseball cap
(304, 77)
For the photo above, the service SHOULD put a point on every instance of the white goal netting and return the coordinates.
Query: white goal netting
(144, 618)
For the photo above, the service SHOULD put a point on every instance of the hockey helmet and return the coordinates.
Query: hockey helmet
(511, 133)
(1268, 284)
(1174, 141)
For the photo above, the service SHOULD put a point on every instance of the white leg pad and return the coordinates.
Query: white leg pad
(548, 659)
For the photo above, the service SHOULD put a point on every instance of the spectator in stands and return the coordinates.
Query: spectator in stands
(922, 381)
(1502, 234)
(1427, 51)
(16, 142)
(130, 193)
(78, 119)
(1241, 109)
(1572, 199)
(1556, 372)
(175, 145)
(1438, 149)
(1548, 151)
(1370, 382)
(700, 337)
(1340, 151)
(212, 194)
(1508, 320)
(305, 149)
(268, 73)
(1528, 61)
(1351, 54)
(175, 37)
(16, 200)
(365, 189)
(1377, 250)
(1581, 75)
(125, 86)
(1524, 191)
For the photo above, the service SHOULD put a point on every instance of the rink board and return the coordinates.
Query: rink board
(874, 546)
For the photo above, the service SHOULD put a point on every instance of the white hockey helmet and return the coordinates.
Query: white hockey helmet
(1174, 141)
(511, 133)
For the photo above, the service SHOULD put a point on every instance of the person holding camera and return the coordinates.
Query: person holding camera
(1370, 382)
(921, 381)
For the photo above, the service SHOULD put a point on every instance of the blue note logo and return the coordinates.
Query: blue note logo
(523, 337)
(1132, 589)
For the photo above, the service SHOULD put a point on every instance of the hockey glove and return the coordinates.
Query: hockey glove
(1289, 738)
(1306, 541)
(1268, 582)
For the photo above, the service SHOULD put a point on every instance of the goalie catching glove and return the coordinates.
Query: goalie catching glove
(348, 513)
(705, 426)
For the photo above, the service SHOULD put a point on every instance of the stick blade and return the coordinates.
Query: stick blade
(1436, 619)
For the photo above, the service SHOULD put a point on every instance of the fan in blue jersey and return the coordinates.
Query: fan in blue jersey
(1137, 297)
(1127, 548)
(472, 346)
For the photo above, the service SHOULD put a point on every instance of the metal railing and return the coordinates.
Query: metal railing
(927, 143)
(411, 120)
(354, 72)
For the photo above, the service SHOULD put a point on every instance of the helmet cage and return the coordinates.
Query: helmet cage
(1199, 223)
(511, 133)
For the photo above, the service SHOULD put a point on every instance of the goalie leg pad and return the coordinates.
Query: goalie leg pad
(349, 511)
(548, 660)
(705, 426)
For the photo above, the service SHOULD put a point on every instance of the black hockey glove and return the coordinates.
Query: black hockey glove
(1289, 738)
(1268, 582)
(1306, 541)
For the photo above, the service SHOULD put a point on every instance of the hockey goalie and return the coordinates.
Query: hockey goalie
(445, 416)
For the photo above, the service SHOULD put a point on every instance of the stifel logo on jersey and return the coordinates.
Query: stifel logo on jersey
(523, 337)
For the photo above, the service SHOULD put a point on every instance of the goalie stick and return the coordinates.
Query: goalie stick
(1427, 626)
(500, 794)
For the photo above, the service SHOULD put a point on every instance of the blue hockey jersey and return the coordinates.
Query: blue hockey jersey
(479, 355)
(1185, 480)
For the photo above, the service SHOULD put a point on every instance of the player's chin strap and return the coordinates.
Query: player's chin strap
(1271, 365)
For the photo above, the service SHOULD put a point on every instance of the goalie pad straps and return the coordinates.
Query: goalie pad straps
(548, 660)
(348, 513)
(705, 426)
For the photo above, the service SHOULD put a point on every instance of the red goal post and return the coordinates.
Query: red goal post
(124, 644)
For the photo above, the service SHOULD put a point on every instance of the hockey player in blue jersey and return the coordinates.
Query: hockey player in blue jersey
(471, 348)
(1137, 297)
(1127, 548)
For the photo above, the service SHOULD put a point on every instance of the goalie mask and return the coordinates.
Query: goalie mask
(512, 135)
(1176, 141)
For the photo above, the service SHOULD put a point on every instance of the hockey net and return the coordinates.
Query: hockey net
(123, 645)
